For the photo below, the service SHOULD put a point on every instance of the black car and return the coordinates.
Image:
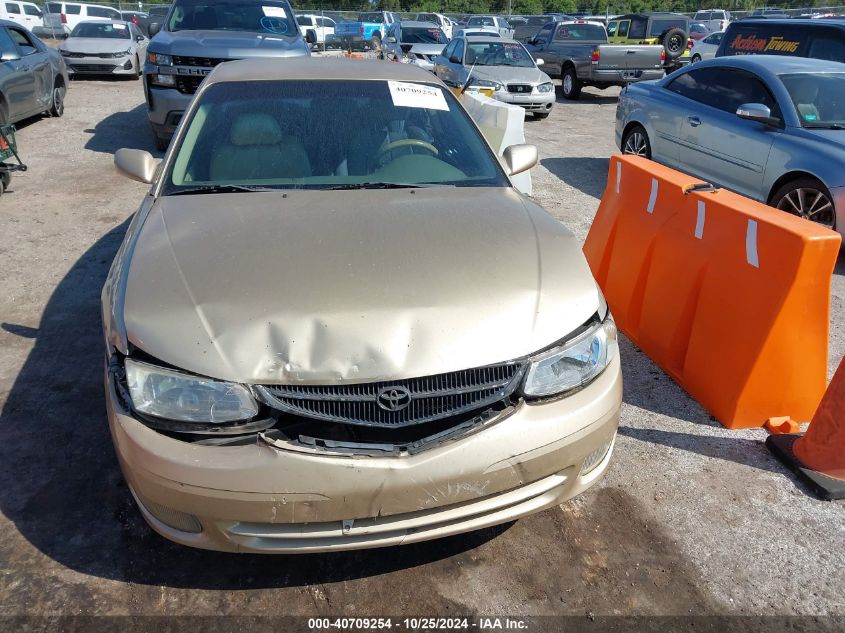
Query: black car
(801, 38)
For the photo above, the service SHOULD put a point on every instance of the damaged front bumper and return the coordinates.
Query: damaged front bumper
(272, 496)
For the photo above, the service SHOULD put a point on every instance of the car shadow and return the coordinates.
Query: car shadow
(61, 486)
(587, 175)
(588, 96)
(123, 129)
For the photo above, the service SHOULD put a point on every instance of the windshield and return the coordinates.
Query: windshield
(658, 27)
(330, 135)
(101, 29)
(481, 21)
(423, 35)
(498, 54)
(254, 16)
(819, 98)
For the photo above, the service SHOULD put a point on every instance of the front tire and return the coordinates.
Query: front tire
(57, 107)
(570, 84)
(375, 42)
(636, 142)
(807, 198)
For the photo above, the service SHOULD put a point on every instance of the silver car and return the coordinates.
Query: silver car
(414, 43)
(33, 77)
(706, 47)
(105, 48)
(771, 128)
(501, 66)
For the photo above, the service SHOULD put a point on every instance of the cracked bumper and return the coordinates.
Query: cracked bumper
(262, 498)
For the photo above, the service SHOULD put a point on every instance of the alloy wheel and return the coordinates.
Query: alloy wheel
(567, 84)
(810, 204)
(58, 102)
(636, 144)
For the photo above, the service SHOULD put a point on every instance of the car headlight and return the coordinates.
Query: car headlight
(574, 364)
(122, 53)
(546, 87)
(159, 59)
(173, 395)
(485, 83)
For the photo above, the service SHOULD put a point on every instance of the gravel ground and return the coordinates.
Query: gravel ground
(691, 518)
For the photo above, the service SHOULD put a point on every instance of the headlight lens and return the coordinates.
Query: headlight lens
(485, 83)
(573, 364)
(159, 59)
(546, 87)
(169, 394)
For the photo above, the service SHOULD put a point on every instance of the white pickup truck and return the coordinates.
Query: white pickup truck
(321, 26)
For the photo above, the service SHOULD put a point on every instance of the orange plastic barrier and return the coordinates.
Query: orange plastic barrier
(819, 455)
(729, 296)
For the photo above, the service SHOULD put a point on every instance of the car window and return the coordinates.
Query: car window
(447, 52)
(7, 46)
(827, 48)
(622, 31)
(72, 9)
(481, 21)
(716, 38)
(459, 51)
(544, 35)
(11, 7)
(283, 134)
(25, 45)
(31, 9)
(254, 16)
(328, 22)
(819, 98)
(53, 7)
(702, 16)
(423, 35)
(498, 54)
(724, 88)
(104, 30)
(582, 32)
(659, 27)
(611, 28)
(637, 30)
(303, 20)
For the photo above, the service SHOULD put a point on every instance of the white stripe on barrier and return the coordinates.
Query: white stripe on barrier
(751, 244)
(699, 221)
(652, 199)
(618, 175)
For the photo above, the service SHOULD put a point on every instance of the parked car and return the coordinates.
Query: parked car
(139, 19)
(526, 27)
(368, 32)
(33, 77)
(105, 48)
(321, 27)
(577, 52)
(706, 48)
(768, 127)
(698, 31)
(61, 17)
(821, 39)
(442, 21)
(671, 30)
(501, 65)
(24, 13)
(414, 43)
(713, 19)
(477, 31)
(379, 403)
(196, 36)
(494, 21)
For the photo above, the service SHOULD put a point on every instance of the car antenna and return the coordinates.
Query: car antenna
(469, 76)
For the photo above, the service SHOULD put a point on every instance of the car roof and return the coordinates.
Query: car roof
(794, 21)
(304, 68)
(418, 23)
(578, 21)
(487, 38)
(767, 65)
(123, 22)
(655, 14)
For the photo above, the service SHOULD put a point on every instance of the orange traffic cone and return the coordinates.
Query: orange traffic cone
(818, 456)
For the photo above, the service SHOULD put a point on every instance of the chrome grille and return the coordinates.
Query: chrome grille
(422, 399)
(188, 84)
(519, 88)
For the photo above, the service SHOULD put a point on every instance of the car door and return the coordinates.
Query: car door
(539, 48)
(14, 12)
(141, 42)
(31, 15)
(454, 73)
(620, 32)
(35, 63)
(715, 144)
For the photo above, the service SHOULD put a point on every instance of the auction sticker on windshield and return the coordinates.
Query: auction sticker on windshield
(411, 95)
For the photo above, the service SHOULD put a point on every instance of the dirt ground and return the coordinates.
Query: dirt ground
(691, 519)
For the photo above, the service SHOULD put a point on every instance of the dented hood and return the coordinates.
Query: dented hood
(321, 287)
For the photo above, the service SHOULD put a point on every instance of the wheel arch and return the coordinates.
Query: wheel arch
(789, 177)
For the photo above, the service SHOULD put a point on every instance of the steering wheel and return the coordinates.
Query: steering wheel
(412, 142)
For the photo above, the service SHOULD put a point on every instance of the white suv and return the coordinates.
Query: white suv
(713, 19)
(25, 13)
(61, 17)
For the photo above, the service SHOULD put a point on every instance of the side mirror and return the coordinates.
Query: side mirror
(155, 27)
(139, 38)
(391, 40)
(311, 37)
(756, 112)
(519, 158)
(9, 57)
(455, 60)
(539, 61)
(135, 164)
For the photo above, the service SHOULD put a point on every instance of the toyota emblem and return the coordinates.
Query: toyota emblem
(393, 398)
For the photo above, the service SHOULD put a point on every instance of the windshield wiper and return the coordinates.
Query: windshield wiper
(824, 126)
(386, 185)
(193, 191)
